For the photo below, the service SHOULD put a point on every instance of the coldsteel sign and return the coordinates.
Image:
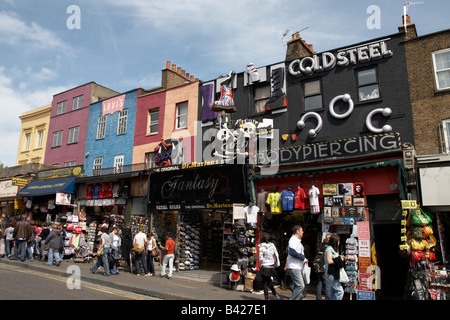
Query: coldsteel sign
(343, 57)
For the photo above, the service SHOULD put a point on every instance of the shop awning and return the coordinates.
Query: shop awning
(44, 187)
(343, 167)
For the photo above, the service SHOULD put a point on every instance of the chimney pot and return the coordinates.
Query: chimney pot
(167, 64)
(174, 67)
(179, 70)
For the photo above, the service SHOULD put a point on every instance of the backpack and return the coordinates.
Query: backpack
(319, 263)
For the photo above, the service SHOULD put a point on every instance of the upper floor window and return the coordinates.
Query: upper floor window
(118, 163)
(40, 138)
(57, 139)
(312, 92)
(368, 84)
(446, 133)
(182, 115)
(77, 102)
(441, 61)
(27, 141)
(98, 162)
(61, 107)
(73, 134)
(149, 160)
(70, 163)
(153, 121)
(101, 127)
(262, 95)
(122, 125)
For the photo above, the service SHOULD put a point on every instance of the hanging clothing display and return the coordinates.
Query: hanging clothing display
(261, 201)
(313, 194)
(299, 198)
(287, 199)
(251, 212)
(273, 200)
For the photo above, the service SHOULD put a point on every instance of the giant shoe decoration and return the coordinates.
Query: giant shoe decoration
(226, 102)
(277, 96)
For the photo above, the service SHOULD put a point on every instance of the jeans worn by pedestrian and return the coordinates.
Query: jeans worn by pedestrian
(8, 247)
(298, 283)
(336, 290)
(53, 252)
(103, 261)
(141, 257)
(20, 243)
(321, 280)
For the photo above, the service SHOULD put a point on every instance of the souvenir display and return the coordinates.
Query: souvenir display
(351, 264)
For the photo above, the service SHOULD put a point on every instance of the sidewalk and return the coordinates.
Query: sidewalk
(184, 285)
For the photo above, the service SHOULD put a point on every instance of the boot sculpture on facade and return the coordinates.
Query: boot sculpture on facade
(226, 102)
(277, 96)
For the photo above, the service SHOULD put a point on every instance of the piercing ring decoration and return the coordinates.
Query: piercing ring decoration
(346, 98)
(312, 132)
(385, 112)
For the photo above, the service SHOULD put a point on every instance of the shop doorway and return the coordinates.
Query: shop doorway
(394, 268)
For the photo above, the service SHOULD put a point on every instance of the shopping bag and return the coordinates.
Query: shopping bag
(306, 273)
(343, 278)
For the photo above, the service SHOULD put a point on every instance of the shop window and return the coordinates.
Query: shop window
(441, 62)
(122, 125)
(182, 115)
(77, 102)
(153, 121)
(368, 87)
(312, 95)
(57, 139)
(61, 107)
(73, 135)
(262, 95)
(101, 127)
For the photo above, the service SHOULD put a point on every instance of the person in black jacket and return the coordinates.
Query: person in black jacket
(333, 262)
(55, 239)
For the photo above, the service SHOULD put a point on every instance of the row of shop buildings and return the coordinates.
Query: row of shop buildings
(347, 134)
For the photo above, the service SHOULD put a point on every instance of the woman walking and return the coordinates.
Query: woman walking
(268, 256)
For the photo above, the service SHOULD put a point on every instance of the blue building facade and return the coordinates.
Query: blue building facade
(110, 136)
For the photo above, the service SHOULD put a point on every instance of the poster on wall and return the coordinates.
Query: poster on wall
(344, 203)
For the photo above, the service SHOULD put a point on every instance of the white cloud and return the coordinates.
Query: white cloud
(15, 32)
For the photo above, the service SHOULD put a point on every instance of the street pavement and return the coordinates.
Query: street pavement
(184, 285)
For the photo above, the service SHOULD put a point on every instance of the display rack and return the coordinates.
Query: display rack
(226, 253)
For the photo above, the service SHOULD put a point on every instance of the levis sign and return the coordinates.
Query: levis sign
(342, 58)
(112, 105)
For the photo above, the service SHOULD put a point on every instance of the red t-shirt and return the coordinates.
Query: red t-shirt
(170, 245)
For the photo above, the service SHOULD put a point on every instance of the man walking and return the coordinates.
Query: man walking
(22, 235)
(140, 239)
(295, 261)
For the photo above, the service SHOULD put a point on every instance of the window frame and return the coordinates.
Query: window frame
(61, 107)
(72, 132)
(122, 122)
(179, 117)
(101, 127)
(77, 102)
(55, 142)
(359, 86)
(97, 166)
(118, 163)
(435, 71)
(446, 134)
(260, 100)
(152, 123)
(312, 95)
(40, 138)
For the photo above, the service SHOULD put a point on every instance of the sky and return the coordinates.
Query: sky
(49, 46)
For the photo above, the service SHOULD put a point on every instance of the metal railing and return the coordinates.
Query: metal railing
(121, 169)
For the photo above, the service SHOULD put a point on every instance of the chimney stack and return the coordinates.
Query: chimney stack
(410, 32)
(298, 48)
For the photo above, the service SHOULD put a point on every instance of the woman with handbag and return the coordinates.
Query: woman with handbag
(333, 263)
(153, 252)
(115, 246)
(105, 248)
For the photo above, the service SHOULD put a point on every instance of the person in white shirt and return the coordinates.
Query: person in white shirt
(296, 259)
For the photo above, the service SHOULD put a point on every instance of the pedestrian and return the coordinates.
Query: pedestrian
(115, 248)
(169, 248)
(37, 240)
(127, 244)
(269, 259)
(9, 239)
(55, 239)
(151, 246)
(103, 259)
(321, 277)
(22, 234)
(296, 259)
(44, 234)
(31, 243)
(3, 226)
(140, 243)
(333, 262)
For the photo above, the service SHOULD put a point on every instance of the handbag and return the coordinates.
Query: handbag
(138, 248)
(343, 277)
(155, 252)
(116, 255)
(47, 244)
(100, 251)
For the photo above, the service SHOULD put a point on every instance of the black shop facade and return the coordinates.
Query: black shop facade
(193, 203)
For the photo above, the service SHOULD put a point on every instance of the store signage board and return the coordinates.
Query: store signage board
(409, 204)
(63, 199)
(112, 105)
(365, 295)
(363, 230)
(19, 182)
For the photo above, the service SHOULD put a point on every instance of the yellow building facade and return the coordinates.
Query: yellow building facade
(33, 135)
